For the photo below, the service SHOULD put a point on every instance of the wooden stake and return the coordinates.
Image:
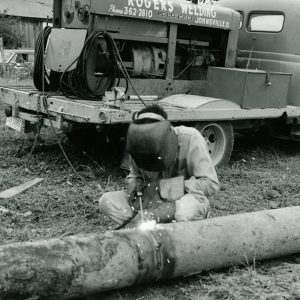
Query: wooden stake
(16, 190)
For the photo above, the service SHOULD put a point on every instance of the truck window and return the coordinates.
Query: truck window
(268, 22)
(21, 58)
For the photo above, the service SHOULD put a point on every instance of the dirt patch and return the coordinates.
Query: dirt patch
(263, 173)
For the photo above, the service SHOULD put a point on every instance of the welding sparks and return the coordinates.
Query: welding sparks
(148, 225)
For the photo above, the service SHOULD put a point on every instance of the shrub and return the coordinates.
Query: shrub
(8, 31)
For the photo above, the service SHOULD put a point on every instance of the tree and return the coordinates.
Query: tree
(8, 31)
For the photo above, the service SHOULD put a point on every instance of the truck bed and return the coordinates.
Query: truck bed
(28, 104)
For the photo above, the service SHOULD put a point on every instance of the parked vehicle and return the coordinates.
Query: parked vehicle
(269, 38)
(127, 54)
(17, 62)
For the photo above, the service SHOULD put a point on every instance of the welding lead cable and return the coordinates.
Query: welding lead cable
(110, 75)
(67, 88)
(41, 79)
(77, 82)
(120, 65)
(121, 226)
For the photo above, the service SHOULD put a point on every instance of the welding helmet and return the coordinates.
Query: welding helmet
(152, 146)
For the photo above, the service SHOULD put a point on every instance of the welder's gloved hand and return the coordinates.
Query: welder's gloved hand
(132, 186)
(134, 200)
(132, 191)
(149, 193)
(171, 189)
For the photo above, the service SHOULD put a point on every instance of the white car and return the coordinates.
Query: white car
(17, 56)
(18, 62)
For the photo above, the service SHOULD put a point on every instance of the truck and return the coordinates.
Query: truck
(105, 60)
(269, 40)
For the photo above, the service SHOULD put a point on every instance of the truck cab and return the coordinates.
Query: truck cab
(269, 38)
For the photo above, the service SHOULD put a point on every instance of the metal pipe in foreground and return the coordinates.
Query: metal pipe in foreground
(81, 265)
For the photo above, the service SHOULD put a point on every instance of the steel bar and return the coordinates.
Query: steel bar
(81, 265)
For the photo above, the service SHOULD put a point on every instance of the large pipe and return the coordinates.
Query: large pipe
(81, 265)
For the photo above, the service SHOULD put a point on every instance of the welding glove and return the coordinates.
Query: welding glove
(132, 191)
(171, 189)
(158, 200)
(149, 193)
(154, 193)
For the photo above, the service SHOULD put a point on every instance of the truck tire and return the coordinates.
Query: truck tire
(219, 137)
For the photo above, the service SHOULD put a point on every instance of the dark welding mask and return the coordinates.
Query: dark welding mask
(152, 146)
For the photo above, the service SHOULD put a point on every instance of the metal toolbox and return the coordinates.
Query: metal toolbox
(249, 88)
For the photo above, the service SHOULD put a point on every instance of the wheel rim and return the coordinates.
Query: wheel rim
(215, 137)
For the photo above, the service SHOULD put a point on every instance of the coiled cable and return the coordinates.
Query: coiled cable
(76, 82)
(41, 79)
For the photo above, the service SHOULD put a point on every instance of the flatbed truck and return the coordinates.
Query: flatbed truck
(181, 55)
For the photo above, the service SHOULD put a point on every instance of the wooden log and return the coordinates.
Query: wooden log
(81, 265)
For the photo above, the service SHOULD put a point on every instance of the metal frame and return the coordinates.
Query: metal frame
(91, 112)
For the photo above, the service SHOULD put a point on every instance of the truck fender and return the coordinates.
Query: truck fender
(199, 102)
(218, 134)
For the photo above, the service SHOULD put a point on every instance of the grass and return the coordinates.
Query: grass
(263, 173)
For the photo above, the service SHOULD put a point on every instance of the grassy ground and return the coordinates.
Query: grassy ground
(263, 173)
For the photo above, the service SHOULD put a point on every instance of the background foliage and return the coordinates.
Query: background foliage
(8, 31)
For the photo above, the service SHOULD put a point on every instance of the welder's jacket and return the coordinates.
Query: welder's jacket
(193, 162)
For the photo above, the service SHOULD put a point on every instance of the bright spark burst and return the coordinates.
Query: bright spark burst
(148, 225)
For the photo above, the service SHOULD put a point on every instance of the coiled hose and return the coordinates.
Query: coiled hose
(75, 83)
(41, 78)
